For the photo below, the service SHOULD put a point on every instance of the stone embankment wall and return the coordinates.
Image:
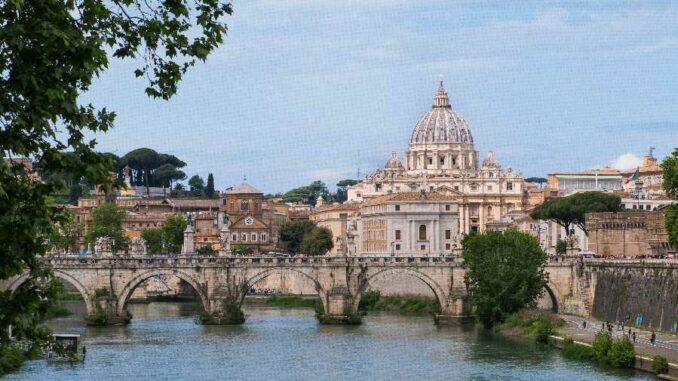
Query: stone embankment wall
(644, 291)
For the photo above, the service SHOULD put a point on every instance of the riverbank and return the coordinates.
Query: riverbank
(371, 301)
(567, 334)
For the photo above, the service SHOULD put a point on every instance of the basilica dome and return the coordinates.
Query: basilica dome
(441, 124)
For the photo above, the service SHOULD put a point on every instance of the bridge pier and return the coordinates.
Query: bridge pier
(455, 310)
(339, 308)
(106, 312)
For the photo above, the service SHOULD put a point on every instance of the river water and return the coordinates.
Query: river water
(164, 343)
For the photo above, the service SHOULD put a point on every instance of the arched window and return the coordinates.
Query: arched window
(422, 232)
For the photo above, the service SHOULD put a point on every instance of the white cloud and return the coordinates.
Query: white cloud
(627, 161)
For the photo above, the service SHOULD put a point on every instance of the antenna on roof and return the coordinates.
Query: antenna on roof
(651, 149)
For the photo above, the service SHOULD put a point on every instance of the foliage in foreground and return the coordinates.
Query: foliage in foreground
(505, 272)
(11, 358)
(51, 52)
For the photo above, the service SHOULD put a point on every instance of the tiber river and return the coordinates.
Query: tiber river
(164, 343)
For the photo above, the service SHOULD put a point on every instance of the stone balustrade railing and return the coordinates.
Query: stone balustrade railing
(219, 261)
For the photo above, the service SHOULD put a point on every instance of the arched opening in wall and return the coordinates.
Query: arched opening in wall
(548, 301)
(282, 288)
(71, 307)
(400, 291)
(158, 294)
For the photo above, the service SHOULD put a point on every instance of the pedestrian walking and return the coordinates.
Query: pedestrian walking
(583, 324)
(634, 337)
(653, 338)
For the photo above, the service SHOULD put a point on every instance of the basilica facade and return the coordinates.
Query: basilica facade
(442, 158)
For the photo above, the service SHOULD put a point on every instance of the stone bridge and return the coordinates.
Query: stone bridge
(107, 283)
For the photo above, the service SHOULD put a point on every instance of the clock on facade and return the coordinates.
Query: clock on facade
(249, 221)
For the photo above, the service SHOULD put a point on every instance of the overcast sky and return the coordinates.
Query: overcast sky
(308, 89)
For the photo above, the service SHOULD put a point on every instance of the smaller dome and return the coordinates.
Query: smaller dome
(393, 162)
(490, 161)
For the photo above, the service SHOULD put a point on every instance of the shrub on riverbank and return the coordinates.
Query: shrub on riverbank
(292, 301)
(11, 359)
(660, 365)
(540, 324)
(373, 301)
(574, 351)
(57, 310)
(71, 296)
(616, 352)
(601, 344)
(621, 354)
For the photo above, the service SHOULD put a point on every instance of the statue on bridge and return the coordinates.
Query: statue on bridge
(103, 246)
(137, 246)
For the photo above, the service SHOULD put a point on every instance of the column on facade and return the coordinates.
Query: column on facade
(436, 236)
(481, 218)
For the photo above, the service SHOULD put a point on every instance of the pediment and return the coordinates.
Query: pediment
(241, 223)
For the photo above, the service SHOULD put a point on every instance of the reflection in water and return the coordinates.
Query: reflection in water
(163, 342)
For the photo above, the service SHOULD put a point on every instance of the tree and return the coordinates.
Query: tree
(505, 272)
(197, 184)
(308, 194)
(107, 222)
(166, 174)
(670, 184)
(153, 238)
(240, 249)
(67, 235)
(561, 247)
(318, 241)
(570, 211)
(292, 235)
(173, 233)
(342, 189)
(209, 190)
(51, 51)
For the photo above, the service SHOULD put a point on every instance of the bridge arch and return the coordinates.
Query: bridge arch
(62, 276)
(438, 291)
(145, 275)
(555, 307)
(266, 273)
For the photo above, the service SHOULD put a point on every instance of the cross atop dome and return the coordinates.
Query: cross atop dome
(441, 99)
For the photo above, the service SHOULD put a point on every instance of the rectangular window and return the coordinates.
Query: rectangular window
(442, 162)
(243, 237)
(423, 247)
(263, 237)
(489, 188)
(447, 208)
(254, 237)
(234, 237)
(448, 246)
(448, 234)
(397, 234)
(397, 208)
(509, 186)
(397, 246)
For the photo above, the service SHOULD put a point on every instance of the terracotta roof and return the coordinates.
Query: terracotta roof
(194, 203)
(351, 206)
